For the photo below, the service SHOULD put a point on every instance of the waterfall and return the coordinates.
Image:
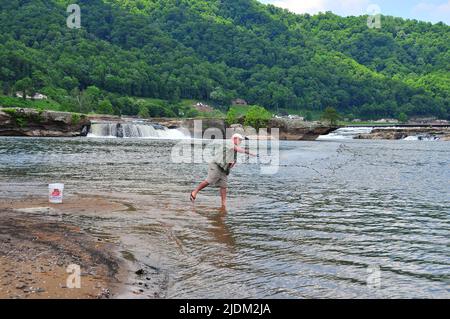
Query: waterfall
(134, 130)
(105, 130)
(346, 133)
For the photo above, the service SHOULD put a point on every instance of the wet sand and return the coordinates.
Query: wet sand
(35, 251)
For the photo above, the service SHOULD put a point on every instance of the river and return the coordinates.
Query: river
(340, 219)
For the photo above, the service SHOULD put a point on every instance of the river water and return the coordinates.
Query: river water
(340, 219)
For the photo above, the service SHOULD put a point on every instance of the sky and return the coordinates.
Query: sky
(424, 10)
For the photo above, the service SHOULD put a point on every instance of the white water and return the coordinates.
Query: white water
(421, 138)
(345, 133)
(104, 130)
(134, 130)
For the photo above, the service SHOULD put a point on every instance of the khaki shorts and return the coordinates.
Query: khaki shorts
(217, 176)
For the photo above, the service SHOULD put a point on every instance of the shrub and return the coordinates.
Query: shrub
(232, 116)
(257, 117)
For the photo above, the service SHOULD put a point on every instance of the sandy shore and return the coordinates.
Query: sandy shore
(35, 252)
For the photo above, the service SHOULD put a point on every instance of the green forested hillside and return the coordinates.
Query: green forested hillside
(217, 50)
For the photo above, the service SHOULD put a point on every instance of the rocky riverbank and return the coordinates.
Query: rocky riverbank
(293, 130)
(395, 133)
(31, 122)
(37, 252)
(298, 130)
(39, 241)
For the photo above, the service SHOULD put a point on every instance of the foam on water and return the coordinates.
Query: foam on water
(345, 133)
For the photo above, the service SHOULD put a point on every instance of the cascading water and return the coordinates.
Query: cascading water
(346, 133)
(134, 130)
(105, 130)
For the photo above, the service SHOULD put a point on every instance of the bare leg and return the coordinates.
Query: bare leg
(199, 188)
(223, 195)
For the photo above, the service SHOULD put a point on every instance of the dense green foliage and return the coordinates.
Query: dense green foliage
(215, 51)
(254, 115)
(257, 117)
(331, 116)
(232, 116)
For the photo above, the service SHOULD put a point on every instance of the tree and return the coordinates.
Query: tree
(402, 118)
(308, 116)
(25, 86)
(220, 96)
(105, 107)
(331, 116)
(143, 112)
(85, 101)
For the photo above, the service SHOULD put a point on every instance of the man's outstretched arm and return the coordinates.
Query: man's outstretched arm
(244, 151)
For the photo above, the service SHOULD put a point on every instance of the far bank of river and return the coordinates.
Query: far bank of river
(408, 133)
(35, 123)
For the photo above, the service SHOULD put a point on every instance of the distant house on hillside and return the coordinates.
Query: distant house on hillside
(239, 102)
(36, 96)
(39, 96)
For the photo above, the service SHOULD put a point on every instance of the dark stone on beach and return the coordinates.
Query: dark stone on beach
(140, 272)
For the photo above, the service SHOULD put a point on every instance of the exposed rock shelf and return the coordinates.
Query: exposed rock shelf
(425, 133)
(31, 122)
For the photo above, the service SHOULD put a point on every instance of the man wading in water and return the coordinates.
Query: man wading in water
(219, 168)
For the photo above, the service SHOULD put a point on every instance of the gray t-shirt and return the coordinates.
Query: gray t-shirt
(224, 155)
